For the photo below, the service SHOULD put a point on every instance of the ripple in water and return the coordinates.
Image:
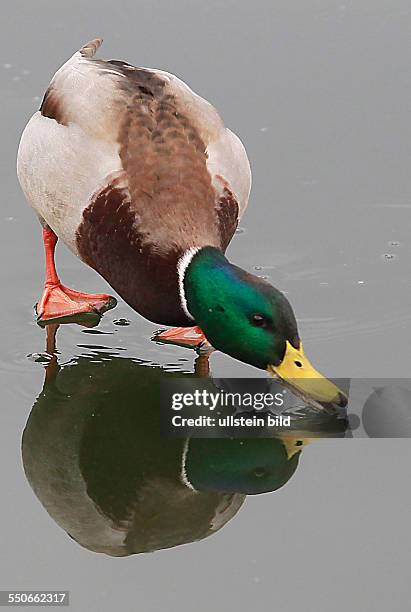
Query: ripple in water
(122, 322)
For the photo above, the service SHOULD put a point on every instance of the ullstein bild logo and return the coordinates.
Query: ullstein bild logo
(231, 421)
(211, 408)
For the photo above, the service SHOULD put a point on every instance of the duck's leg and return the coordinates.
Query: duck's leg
(188, 337)
(202, 366)
(52, 368)
(59, 304)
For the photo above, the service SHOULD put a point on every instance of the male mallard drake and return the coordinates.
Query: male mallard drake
(95, 457)
(142, 181)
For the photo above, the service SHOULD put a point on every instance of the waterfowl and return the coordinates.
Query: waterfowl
(140, 178)
(95, 457)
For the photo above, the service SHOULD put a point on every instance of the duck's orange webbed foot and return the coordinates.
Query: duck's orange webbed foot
(187, 337)
(59, 304)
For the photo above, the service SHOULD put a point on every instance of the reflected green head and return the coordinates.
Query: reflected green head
(249, 466)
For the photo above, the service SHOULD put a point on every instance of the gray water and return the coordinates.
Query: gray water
(320, 94)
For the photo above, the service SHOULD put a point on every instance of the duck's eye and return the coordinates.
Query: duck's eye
(259, 320)
(259, 472)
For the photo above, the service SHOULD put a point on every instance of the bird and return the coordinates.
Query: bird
(95, 457)
(140, 178)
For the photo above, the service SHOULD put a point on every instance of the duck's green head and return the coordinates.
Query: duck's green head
(249, 466)
(247, 318)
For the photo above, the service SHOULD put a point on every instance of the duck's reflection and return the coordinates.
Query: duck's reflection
(95, 458)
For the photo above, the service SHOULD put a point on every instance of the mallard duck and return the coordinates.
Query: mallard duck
(140, 178)
(95, 457)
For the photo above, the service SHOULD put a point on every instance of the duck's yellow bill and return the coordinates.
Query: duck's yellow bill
(296, 370)
(294, 444)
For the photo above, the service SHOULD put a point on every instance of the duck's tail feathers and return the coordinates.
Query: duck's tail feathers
(90, 48)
